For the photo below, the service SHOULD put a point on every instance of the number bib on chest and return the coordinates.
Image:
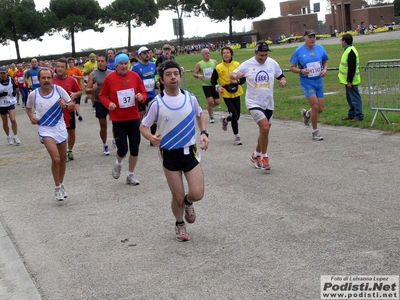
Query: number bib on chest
(314, 68)
(35, 80)
(126, 98)
(208, 72)
(149, 84)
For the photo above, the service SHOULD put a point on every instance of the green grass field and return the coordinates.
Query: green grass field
(290, 100)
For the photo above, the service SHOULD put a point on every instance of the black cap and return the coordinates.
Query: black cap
(309, 32)
(262, 46)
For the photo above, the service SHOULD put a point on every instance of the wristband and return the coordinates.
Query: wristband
(204, 132)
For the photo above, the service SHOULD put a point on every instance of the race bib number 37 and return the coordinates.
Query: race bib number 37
(126, 98)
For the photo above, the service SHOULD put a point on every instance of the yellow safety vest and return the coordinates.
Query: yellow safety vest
(343, 67)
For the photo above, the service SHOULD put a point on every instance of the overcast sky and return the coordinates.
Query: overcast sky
(117, 37)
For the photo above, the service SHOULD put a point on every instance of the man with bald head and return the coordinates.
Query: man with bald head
(31, 77)
(203, 71)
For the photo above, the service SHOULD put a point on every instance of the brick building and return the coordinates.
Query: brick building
(295, 19)
(347, 15)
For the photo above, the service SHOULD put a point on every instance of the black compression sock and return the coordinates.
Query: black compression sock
(186, 201)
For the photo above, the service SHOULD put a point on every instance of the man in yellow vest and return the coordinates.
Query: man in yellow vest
(349, 75)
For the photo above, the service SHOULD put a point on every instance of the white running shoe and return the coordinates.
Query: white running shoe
(58, 195)
(114, 144)
(116, 171)
(63, 191)
(238, 141)
(9, 140)
(306, 120)
(16, 141)
(316, 136)
(130, 179)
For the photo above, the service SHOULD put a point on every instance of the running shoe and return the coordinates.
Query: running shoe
(16, 141)
(238, 141)
(224, 123)
(256, 160)
(9, 140)
(70, 155)
(58, 195)
(306, 120)
(114, 144)
(316, 136)
(190, 214)
(181, 233)
(131, 180)
(80, 118)
(63, 191)
(116, 171)
(212, 120)
(265, 164)
(105, 150)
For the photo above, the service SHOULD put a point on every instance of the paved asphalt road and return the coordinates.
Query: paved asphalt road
(329, 207)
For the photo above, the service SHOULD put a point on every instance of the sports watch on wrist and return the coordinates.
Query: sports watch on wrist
(204, 132)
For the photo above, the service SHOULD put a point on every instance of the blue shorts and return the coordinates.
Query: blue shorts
(4, 110)
(101, 110)
(312, 87)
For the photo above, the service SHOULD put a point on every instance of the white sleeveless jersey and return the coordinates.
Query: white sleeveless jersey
(8, 100)
(175, 117)
(48, 111)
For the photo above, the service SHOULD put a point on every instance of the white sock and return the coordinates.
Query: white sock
(131, 173)
(118, 163)
(264, 155)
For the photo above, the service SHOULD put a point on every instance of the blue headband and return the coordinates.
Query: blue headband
(120, 58)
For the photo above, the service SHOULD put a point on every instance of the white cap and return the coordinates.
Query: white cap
(142, 49)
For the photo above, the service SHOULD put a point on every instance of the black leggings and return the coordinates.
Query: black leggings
(234, 110)
(124, 131)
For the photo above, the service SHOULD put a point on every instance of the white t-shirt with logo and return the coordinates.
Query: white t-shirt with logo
(260, 80)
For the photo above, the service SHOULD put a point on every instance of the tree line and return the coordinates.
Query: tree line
(20, 21)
